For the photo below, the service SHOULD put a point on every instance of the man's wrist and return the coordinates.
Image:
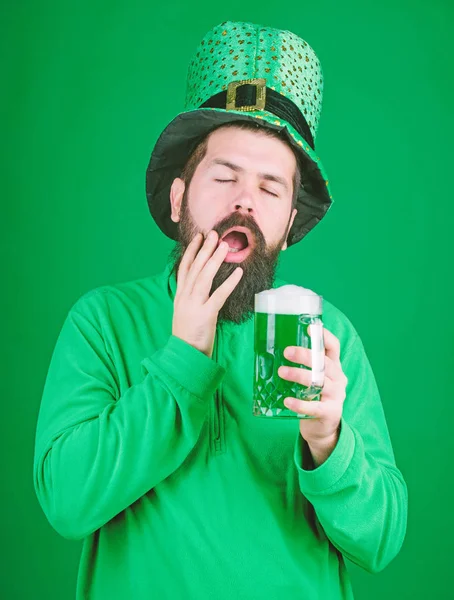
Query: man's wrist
(322, 450)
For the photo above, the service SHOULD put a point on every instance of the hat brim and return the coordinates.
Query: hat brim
(186, 130)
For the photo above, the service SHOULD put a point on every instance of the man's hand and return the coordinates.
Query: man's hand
(195, 312)
(322, 432)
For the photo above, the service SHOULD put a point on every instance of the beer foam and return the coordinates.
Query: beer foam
(289, 300)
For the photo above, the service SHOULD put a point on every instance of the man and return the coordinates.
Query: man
(146, 444)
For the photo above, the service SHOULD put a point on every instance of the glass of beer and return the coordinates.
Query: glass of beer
(282, 317)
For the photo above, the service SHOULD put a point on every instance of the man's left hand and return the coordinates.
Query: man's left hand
(322, 432)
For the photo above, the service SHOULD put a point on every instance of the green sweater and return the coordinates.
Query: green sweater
(148, 451)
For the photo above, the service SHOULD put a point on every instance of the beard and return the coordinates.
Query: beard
(259, 267)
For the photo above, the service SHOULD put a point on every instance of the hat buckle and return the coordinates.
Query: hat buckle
(260, 85)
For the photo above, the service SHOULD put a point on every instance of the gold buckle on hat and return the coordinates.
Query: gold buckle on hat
(259, 99)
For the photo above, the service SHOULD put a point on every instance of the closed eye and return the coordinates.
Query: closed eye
(265, 190)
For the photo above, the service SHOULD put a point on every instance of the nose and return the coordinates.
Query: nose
(244, 200)
(243, 209)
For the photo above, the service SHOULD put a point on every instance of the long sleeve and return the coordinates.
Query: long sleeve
(97, 452)
(358, 493)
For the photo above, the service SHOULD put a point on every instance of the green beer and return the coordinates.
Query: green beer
(282, 317)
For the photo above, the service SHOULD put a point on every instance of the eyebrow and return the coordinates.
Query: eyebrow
(238, 169)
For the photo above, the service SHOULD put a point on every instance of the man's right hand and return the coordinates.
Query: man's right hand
(195, 311)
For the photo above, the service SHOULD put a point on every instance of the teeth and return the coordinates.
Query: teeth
(234, 249)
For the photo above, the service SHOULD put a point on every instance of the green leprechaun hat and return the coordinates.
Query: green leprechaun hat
(243, 71)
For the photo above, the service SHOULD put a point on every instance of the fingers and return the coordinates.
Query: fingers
(297, 354)
(218, 297)
(204, 281)
(200, 260)
(304, 377)
(306, 407)
(200, 264)
(188, 259)
(303, 356)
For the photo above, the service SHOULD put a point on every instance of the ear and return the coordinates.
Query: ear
(176, 196)
(284, 245)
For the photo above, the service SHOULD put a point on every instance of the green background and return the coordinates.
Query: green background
(87, 88)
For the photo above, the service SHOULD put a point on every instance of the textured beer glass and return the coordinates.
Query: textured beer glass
(282, 317)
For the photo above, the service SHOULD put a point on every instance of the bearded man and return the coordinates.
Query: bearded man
(146, 445)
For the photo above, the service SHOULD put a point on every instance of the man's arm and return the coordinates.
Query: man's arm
(358, 493)
(97, 452)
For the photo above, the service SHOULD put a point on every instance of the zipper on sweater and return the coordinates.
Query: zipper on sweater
(218, 410)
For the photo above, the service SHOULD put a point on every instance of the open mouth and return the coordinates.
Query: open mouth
(238, 238)
(240, 243)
